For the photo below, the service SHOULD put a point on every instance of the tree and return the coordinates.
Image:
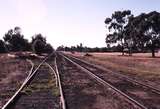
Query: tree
(116, 26)
(80, 47)
(15, 40)
(40, 45)
(60, 48)
(144, 30)
(151, 31)
(2, 47)
(39, 37)
(48, 48)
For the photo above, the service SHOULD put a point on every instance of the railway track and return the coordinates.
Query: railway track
(62, 99)
(35, 92)
(82, 91)
(144, 96)
(156, 89)
(80, 85)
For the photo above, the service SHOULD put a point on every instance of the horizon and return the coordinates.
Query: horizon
(67, 23)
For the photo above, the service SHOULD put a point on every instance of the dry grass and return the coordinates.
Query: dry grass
(12, 69)
(12, 73)
(140, 64)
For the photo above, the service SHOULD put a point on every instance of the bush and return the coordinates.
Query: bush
(39, 45)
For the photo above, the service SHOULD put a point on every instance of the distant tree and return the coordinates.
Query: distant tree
(39, 37)
(38, 47)
(15, 40)
(60, 48)
(48, 48)
(3, 48)
(80, 47)
(73, 48)
(67, 48)
(39, 44)
(116, 26)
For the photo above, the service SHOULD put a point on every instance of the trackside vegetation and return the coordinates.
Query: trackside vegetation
(14, 41)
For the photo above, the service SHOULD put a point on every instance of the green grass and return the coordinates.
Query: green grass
(44, 84)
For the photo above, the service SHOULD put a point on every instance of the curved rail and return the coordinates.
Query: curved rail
(60, 86)
(107, 84)
(31, 74)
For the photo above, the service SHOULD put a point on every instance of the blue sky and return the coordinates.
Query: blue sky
(67, 22)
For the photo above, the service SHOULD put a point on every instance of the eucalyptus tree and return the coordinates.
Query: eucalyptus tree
(116, 26)
(133, 35)
(15, 40)
(40, 45)
(144, 29)
(151, 31)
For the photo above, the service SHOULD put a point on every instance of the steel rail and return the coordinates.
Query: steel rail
(124, 76)
(107, 84)
(60, 85)
(31, 74)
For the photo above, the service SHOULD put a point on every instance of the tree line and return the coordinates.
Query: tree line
(14, 41)
(139, 33)
(81, 48)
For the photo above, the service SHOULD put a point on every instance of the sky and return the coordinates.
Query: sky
(67, 22)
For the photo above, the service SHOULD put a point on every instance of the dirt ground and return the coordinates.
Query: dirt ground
(140, 65)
